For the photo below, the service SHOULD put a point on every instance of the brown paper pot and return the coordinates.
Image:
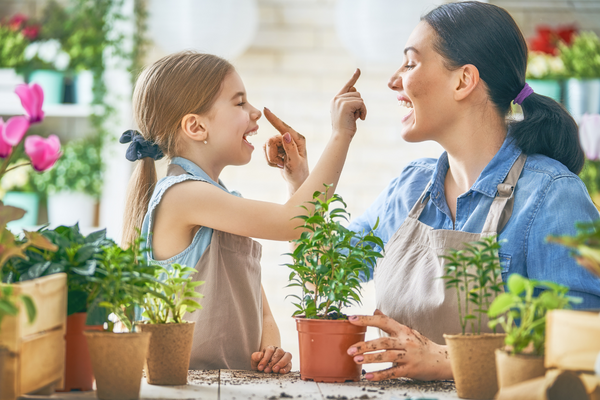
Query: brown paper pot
(474, 364)
(517, 368)
(3, 356)
(169, 353)
(324, 350)
(118, 361)
(556, 385)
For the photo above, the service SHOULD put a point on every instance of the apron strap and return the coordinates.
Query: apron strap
(502, 206)
(415, 212)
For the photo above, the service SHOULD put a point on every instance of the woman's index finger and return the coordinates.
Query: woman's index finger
(278, 124)
(351, 82)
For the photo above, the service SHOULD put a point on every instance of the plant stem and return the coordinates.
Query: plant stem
(17, 166)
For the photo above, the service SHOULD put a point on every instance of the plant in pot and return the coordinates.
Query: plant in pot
(122, 279)
(521, 312)
(171, 341)
(474, 273)
(326, 265)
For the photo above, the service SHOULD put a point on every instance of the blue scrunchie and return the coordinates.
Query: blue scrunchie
(139, 147)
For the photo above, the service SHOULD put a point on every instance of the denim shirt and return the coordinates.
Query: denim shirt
(549, 199)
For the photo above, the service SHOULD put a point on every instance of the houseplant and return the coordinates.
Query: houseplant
(523, 358)
(171, 341)
(474, 273)
(326, 266)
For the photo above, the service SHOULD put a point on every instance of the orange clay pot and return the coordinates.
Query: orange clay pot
(324, 349)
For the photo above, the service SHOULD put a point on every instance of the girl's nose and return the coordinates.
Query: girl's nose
(255, 113)
(395, 82)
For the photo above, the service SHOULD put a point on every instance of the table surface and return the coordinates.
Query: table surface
(237, 385)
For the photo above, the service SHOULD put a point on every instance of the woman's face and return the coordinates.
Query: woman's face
(425, 86)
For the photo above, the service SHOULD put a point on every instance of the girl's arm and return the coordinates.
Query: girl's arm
(271, 357)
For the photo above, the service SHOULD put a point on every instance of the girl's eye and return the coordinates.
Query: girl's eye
(241, 103)
(407, 67)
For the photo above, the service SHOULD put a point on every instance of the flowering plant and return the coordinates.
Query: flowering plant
(582, 57)
(542, 65)
(47, 54)
(15, 35)
(548, 39)
(589, 137)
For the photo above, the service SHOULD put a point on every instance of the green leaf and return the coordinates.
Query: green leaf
(516, 284)
(29, 308)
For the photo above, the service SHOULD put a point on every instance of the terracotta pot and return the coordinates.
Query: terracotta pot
(169, 353)
(473, 364)
(118, 361)
(323, 350)
(517, 368)
(78, 366)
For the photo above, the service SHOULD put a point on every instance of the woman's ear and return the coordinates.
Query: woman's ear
(468, 80)
(195, 127)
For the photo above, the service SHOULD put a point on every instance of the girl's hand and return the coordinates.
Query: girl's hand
(272, 359)
(412, 354)
(287, 151)
(346, 107)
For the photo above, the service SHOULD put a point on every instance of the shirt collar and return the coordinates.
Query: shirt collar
(193, 169)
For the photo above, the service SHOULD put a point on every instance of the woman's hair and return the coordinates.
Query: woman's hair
(174, 86)
(487, 37)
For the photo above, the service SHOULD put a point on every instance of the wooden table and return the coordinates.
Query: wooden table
(239, 385)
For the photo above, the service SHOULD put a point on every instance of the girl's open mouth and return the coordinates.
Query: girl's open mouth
(250, 133)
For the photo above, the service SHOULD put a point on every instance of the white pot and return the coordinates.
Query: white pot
(84, 86)
(69, 208)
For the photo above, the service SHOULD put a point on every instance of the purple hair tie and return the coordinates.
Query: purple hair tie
(523, 94)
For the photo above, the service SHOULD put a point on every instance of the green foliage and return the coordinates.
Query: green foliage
(523, 315)
(75, 254)
(590, 175)
(179, 294)
(8, 304)
(475, 274)
(582, 57)
(12, 47)
(80, 169)
(326, 259)
(585, 245)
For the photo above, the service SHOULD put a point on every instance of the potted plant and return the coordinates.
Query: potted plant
(474, 273)
(168, 358)
(122, 280)
(326, 265)
(523, 357)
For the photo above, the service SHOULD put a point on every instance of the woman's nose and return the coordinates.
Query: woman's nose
(395, 81)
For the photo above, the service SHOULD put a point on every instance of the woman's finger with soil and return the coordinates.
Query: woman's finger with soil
(277, 355)
(397, 371)
(255, 359)
(274, 150)
(384, 343)
(284, 364)
(394, 356)
(268, 353)
(383, 322)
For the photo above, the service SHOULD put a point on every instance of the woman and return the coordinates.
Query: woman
(464, 65)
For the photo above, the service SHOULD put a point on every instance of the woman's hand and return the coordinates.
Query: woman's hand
(346, 107)
(272, 359)
(287, 151)
(412, 354)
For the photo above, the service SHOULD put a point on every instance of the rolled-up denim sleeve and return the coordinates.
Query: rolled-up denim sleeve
(565, 202)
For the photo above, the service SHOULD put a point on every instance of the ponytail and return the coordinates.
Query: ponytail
(140, 188)
(548, 129)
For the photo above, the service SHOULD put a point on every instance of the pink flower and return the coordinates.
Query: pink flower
(31, 32)
(32, 99)
(589, 135)
(11, 134)
(42, 152)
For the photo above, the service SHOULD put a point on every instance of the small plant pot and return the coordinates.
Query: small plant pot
(78, 367)
(473, 364)
(118, 362)
(4, 352)
(517, 368)
(168, 358)
(324, 349)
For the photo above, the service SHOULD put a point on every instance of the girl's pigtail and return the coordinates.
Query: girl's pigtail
(139, 191)
(547, 128)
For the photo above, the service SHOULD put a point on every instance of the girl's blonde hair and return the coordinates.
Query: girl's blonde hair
(174, 86)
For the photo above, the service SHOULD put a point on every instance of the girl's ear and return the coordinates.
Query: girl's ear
(467, 81)
(194, 127)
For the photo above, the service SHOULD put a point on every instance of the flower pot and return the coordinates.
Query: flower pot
(169, 352)
(52, 82)
(546, 87)
(118, 361)
(555, 385)
(69, 208)
(517, 368)
(27, 201)
(84, 85)
(324, 350)
(473, 364)
(78, 368)
(582, 96)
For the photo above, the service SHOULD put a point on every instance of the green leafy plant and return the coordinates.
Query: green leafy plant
(585, 245)
(475, 274)
(582, 57)
(9, 305)
(522, 314)
(179, 294)
(329, 259)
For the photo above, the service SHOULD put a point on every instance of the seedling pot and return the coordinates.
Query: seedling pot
(555, 385)
(118, 361)
(169, 352)
(324, 349)
(473, 364)
(517, 368)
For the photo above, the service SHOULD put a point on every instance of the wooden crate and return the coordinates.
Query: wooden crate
(36, 358)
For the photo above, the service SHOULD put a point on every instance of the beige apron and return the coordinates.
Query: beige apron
(229, 325)
(408, 286)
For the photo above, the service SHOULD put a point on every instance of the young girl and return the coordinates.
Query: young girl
(193, 109)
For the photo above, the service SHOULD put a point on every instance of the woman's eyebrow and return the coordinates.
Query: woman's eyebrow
(409, 49)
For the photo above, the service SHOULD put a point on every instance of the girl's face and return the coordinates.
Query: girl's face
(232, 123)
(425, 86)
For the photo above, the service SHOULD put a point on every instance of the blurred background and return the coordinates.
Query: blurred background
(293, 56)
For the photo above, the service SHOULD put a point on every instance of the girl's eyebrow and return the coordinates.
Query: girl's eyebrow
(410, 49)
(238, 94)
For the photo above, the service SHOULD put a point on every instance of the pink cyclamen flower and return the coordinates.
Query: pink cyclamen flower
(42, 152)
(32, 99)
(11, 134)
(589, 136)
(5, 148)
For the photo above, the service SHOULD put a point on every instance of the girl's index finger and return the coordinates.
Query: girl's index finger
(278, 124)
(351, 82)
